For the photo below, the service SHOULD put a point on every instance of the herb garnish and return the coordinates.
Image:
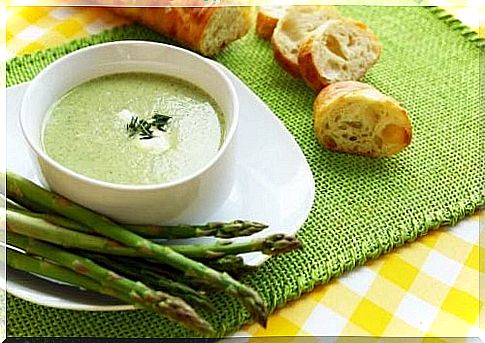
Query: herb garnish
(143, 127)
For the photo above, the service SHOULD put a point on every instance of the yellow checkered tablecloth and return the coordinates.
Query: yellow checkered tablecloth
(429, 288)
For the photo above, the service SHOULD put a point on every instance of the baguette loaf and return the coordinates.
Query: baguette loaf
(268, 17)
(204, 29)
(356, 118)
(293, 28)
(339, 50)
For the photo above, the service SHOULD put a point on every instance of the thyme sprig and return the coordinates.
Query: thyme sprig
(144, 127)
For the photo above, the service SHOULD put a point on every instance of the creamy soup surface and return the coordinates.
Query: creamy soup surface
(134, 128)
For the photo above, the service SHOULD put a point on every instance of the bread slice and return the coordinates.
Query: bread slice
(356, 118)
(228, 24)
(293, 28)
(268, 17)
(339, 50)
(204, 29)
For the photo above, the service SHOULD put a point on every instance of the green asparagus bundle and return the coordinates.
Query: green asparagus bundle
(236, 228)
(165, 271)
(104, 248)
(154, 280)
(42, 229)
(28, 194)
(136, 292)
(234, 265)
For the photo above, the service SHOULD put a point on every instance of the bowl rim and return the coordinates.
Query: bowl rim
(131, 187)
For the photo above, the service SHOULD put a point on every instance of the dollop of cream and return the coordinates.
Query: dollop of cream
(126, 115)
(159, 143)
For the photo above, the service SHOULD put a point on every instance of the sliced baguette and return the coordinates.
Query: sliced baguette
(268, 17)
(293, 28)
(204, 29)
(339, 50)
(356, 118)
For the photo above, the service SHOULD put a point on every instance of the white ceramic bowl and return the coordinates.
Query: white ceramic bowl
(176, 201)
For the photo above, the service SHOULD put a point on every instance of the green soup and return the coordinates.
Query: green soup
(99, 129)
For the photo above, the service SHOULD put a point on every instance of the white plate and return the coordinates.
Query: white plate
(273, 185)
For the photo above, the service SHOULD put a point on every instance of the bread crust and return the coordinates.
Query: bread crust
(356, 118)
(301, 20)
(265, 24)
(308, 65)
(185, 25)
(284, 62)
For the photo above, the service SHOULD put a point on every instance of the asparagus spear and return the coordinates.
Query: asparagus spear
(236, 228)
(232, 229)
(154, 280)
(231, 264)
(26, 263)
(168, 272)
(22, 223)
(53, 219)
(157, 301)
(24, 192)
(271, 245)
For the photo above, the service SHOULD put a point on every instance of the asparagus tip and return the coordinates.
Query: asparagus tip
(280, 243)
(237, 228)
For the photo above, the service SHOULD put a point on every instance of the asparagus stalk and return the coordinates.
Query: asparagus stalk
(24, 192)
(26, 225)
(156, 301)
(231, 264)
(39, 228)
(154, 280)
(26, 263)
(168, 272)
(236, 228)
(271, 245)
(53, 219)
(232, 229)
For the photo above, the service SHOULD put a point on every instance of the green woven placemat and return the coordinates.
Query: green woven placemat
(363, 207)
